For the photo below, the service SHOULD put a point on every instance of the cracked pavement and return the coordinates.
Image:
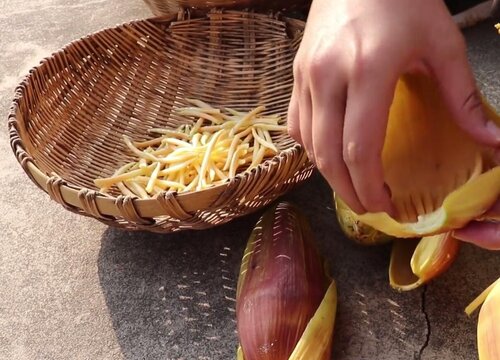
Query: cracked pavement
(428, 334)
(72, 288)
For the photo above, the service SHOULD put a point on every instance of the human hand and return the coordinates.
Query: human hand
(346, 69)
(485, 234)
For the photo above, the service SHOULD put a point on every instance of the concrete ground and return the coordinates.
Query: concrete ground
(72, 288)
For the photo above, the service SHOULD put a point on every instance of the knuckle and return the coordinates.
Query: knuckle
(355, 153)
(364, 57)
(472, 102)
(352, 201)
(359, 65)
(364, 63)
(325, 163)
(369, 59)
(319, 59)
(318, 64)
(372, 201)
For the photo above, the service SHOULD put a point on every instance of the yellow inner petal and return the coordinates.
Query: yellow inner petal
(426, 155)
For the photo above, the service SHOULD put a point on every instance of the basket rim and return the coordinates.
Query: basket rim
(70, 194)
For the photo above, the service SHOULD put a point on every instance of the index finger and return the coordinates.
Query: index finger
(367, 109)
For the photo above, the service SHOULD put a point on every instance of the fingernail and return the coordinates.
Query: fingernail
(458, 234)
(464, 234)
(391, 209)
(493, 129)
(310, 155)
(481, 234)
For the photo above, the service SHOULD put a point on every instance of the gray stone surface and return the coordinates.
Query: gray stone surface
(72, 288)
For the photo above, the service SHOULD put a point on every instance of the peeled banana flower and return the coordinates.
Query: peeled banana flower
(354, 229)
(285, 300)
(415, 262)
(439, 178)
(488, 326)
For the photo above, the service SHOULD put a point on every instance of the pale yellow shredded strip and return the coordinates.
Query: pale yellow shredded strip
(199, 103)
(233, 146)
(246, 118)
(179, 157)
(256, 149)
(234, 162)
(204, 138)
(205, 109)
(230, 118)
(264, 121)
(234, 112)
(171, 184)
(123, 168)
(226, 125)
(220, 173)
(208, 151)
(105, 182)
(477, 302)
(271, 127)
(176, 167)
(157, 190)
(162, 152)
(196, 139)
(263, 141)
(204, 153)
(143, 163)
(266, 135)
(164, 184)
(201, 114)
(139, 153)
(182, 177)
(152, 179)
(125, 191)
(193, 183)
(137, 189)
(210, 176)
(170, 133)
(247, 139)
(259, 157)
(196, 127)
(179, 142)
(143, 144)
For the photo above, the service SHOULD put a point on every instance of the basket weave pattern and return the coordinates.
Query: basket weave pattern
(69, 114)
(165, 7)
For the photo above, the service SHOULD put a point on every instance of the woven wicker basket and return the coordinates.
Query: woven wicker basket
(69, 114)
(165, 7)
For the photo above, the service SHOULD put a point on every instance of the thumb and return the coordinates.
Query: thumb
(485, 234)
(459, 90)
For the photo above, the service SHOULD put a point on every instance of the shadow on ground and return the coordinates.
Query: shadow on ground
(173, 296)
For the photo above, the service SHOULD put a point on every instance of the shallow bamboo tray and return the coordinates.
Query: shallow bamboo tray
(69, 114)
(165, 7)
